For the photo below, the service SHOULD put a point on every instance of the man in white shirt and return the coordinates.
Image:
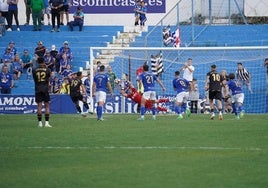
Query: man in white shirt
(188, 70)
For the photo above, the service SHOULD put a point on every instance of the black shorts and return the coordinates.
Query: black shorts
(214, 94)
(77, 97)
(42, 97)
(65, 8)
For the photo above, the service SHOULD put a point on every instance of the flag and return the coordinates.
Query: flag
(167, 38)
(157, 64)
(171, 38)
(176, 38)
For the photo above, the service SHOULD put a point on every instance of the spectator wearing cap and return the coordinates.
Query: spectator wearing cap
(243, 76)
(6, 81)
(27, 61)
(37, 7)
(78, 19)
(7, 59)
(55, 13)
(55, 54)
(65, 49)
(13, 11)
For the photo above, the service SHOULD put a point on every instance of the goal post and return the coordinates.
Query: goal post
(127, 60)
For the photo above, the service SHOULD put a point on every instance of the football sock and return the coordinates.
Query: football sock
(47, 117)
(142, 110)
(39, 117)
(99, 111)
(78, 108)
(234, 108)
(183, 107)
(153, 110)
(178, 109)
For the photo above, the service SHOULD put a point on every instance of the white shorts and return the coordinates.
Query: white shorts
(239, 98)
(149, 95)
(182, 97)
(100, 96)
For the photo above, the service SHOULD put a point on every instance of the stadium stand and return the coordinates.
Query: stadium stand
(79, 42)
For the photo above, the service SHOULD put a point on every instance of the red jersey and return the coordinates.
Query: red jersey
(135, 96)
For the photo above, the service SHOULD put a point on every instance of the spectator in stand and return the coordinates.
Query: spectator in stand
(137, 15)
(65, 10)
(11, 45)
(7, 59)
(4, 9)
(55, 13)
(65, 49)
(17, 67)
(55, 85)
(6, 81)
(64, 62)
(49, 60)
(67, 72)
(13, 11)
(112, 76)
(78, 19)
(46, 12)
(243, 76)
(39, 51)
(37, 7)
(28, 11)
(26, 59)
(188, 70)
(55, 54)
(142, 12)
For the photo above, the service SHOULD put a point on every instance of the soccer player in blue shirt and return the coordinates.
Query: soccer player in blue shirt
(237, 96)
(99, 90)
(147, 79)
(181, 86)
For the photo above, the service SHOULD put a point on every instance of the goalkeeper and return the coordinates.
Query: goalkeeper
(132, 93)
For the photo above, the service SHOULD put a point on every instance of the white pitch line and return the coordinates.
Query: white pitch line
(133, 148)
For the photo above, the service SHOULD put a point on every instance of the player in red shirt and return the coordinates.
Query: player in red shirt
(135, 96)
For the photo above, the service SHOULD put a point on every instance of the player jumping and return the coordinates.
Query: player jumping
(136, 97)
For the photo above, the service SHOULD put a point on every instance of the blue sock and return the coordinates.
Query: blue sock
(240, 109)
(99, 111)
(142, 110)
(178, 109)
(183, 107)
(153, 110)
(234, 108)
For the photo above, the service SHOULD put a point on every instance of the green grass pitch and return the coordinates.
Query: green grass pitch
(123, 152)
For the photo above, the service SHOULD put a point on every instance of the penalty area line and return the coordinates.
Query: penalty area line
(204, 148)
